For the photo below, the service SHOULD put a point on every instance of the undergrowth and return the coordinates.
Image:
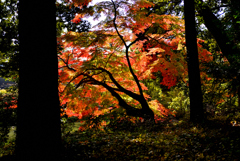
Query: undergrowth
(178, 141)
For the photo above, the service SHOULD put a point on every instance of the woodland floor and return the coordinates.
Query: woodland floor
(180, 141)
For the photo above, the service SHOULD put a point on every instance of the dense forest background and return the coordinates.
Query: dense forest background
(155, 80)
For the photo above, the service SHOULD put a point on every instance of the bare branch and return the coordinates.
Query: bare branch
(67, 65)
(115, 26)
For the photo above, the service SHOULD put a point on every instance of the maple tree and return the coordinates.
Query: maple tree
(104, 67)
(157, 54)
(222, 28)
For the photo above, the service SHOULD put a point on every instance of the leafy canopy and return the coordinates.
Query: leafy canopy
(94, 62)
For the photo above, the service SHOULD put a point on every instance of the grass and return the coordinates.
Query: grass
(12, 134)
(179, 141)
(7, 148)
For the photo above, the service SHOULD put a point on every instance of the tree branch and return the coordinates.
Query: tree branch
(120, 88)
(115, 25)
(127, 47)
(67, 65)
(131, 111)
(215, 26)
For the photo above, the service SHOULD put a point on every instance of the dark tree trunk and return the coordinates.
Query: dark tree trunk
(215, 26)
(228, 47)
(196, 105)
(38, 122)
(147, 113)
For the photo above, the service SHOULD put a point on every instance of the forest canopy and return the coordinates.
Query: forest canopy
(109, 67)
(134, 61)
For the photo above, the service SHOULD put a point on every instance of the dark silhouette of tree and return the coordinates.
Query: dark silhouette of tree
(221, 18)
(9, 37)
(38, 115)
(226, 32)
(196, 105)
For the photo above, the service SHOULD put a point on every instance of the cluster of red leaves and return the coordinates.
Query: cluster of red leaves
(154, 57)
(9, 103)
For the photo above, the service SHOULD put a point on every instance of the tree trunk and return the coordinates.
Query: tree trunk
(227, 46)
(147, 113)
(215, 26)
(38, 115)
(196, 105)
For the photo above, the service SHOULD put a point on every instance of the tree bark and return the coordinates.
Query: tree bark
(227, 46)
(215, 26)
(196, 105)
(38, 113)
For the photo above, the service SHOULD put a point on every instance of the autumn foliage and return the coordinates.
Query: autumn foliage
(100, 68)
(92, 62)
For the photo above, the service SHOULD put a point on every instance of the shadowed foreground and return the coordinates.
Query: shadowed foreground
(179, 141)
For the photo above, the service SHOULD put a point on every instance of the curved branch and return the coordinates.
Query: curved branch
(72, 80)
(67, 65)
(140, 37)
(109, 59)
(115, 26)
(120, 88)
(131, 111)
(134, 76)
(214, 25)
(127, 47)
